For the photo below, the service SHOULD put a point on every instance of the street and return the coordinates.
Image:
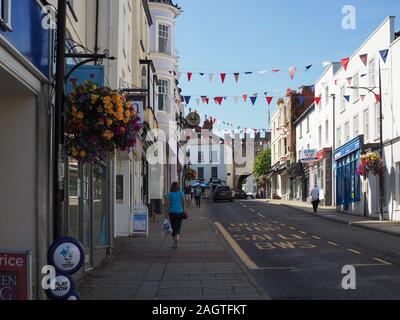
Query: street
(295, 255)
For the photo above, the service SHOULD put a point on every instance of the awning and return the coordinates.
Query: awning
(296, 170)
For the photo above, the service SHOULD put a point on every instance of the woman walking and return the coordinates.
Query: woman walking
(175, 211)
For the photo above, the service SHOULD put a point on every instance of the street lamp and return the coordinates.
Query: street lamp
(381, 179)
(333, 96)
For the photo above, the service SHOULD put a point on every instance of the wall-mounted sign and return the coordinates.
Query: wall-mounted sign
(15, 275)
(66, 255)
(64, 287)
(308, 156)
(139, 105)
(193, 120)
(94, 74)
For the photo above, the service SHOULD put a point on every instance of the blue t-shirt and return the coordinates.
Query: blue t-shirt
(175, 202)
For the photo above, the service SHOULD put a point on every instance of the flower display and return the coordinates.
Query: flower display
(191, 175)
(371, 163)
(99, 121)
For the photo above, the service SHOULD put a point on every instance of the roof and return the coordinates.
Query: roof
(169, 2)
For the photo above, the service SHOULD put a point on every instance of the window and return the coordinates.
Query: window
(301, 130)
(326, 131)
(356, 126)
(200, 157)
(347, 132)
(163, 95)
(356, 82)
(342, 100)
(366, 125)
(100, 212)
(326, 94)
(214, 156)
(320, 136)
(214, 172)
(5, 14)
(200, 173)
(377, 121)
(372, 73)
(163, 39)
(308, 124)
(339, 136)
(143, 77)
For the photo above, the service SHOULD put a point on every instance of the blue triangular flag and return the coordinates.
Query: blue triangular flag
(249, 72)
(384, 54)
(309, 67)
(347, 98)
(301, 100)
(253, 100)
(363, 75)
(187, 99)
(202, 74)
(266, 93)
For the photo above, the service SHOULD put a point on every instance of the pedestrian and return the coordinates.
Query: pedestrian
(188, 195)
(197, 195)
(315, 193)
(176, 211)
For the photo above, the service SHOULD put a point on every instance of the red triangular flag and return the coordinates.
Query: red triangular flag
(362, 97)
(349, 80)
(276, 70)
(292, 72)
(189, 75)
(345, 63)
(269, 100)
(223, 76)
(378, 98)
(317, 100)
(245, 97)
(236, 76)
(207, 100)
(219, 100)
(364, 58)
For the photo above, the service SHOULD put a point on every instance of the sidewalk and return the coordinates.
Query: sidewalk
(331, 213)
(149, 269)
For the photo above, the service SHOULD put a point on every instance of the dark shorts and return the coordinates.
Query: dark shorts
(176, 223)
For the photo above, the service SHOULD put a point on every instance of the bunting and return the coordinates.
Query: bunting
(187, 99)
(223, 76)
(345, 63)
(317, 100)
(189, 75)
(377, 98)
(269, 100)
(245, 97)
(362, 97)
(211, 77)
(384, 54)
(347, 98)
(292, 72)
(349, 80)
(364, 59)
(236, 75)
(253, 100)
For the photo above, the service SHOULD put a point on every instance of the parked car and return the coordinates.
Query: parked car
(223, 193)
(240, 194)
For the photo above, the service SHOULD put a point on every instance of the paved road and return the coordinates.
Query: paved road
(295, 255)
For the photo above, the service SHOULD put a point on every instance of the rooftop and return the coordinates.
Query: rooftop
(169, 2)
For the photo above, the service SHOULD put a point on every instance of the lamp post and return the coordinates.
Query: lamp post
(333, 96)
(381, 146)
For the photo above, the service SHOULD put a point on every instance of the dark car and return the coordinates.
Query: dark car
(223, 193)
(240, 194)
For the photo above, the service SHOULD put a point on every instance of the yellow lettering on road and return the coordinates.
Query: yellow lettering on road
(285, 245)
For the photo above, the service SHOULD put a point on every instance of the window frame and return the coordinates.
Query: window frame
(167, 38)
(166, 94)
(6, 16)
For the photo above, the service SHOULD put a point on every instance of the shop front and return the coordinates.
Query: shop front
(348, 182)
(320, 175)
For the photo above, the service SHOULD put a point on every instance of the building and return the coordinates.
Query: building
(314, 132)
(169, 108)
(25, 133)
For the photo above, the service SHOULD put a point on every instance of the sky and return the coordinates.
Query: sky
(214, 36)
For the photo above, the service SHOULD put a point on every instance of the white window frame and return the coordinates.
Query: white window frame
(347, 135)
(327, 131)
(356, 84)
(342, 104)
(339, 136)
(326, 92)
(169, 37)
(377, 121)
(5, 16)
(372, 72)
(356, 125)
(366, 125)
(165, 93)
(320, 136)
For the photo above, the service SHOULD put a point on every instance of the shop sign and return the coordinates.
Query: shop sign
(15, 275)
(93, 73)
(349, 148)
(308, 155)
(66, 255)
(138, 104)
(140, 221)
(64, 287)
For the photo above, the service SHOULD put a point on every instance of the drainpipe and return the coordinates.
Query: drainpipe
(96, 45)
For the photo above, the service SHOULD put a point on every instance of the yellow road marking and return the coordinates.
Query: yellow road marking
(354, 251)
(292, 228)
(315, 237)
(252, 210)
(262, 216)
(333, 244)
(383, 261)
(303, 232)
(250, 264)
(283, 225)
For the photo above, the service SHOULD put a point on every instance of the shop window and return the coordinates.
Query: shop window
(5, 14)
(200, 173)
(100, 216)
(119, 188)
(214, 172)
(73, 199)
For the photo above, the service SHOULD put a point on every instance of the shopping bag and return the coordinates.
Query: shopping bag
(167, 227)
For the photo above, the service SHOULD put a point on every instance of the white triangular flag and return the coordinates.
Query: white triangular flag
(211, 76)
(236, 99)
(198, 102)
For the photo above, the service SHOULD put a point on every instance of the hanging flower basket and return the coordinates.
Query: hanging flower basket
(191, 175)
(371, 163)
(99, 121)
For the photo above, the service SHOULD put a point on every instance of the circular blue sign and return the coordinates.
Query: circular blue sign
(64, 287)
(66, 255)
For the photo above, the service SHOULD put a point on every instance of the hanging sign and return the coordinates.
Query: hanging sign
(15, 275)
(93, 73)
(308, 155)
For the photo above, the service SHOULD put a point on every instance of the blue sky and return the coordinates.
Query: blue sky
(222, 35)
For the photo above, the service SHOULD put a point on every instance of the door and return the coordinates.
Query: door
(87, 216)
(347, 187)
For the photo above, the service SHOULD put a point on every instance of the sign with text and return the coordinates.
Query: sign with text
(138, 104)
(308, 155)
(15, 275)
(94, 74)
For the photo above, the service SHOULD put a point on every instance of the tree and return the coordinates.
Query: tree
(262, 164)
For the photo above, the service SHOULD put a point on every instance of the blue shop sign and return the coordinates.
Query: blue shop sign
(82, 74)
(349, 148)
(26, 33)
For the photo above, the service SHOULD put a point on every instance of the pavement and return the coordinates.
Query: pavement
(203, 268)
(331, 213)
